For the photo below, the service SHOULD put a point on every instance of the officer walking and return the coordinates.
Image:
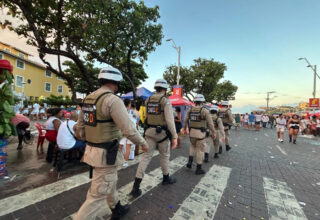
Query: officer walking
(103, 118)
(227, 120)
(160, 128)
(200, 120)
(218, 125)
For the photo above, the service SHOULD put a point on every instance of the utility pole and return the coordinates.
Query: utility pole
(178, 48)
(268, 98)
(314, 68)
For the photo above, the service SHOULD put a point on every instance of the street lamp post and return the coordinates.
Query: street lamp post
(179, 52)
(268, 98)
(23, 83)
(314, 68)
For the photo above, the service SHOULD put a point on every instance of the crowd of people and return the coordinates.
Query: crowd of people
(34, 111)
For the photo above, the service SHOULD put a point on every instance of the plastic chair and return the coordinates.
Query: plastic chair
(41, 136)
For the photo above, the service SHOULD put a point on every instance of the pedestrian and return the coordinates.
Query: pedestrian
(265, 120)
(258, 119)
(35, 111)
(102, 122)
(294, 125)
(252, 118)
(281, 124)
(305, 124)
(228, 120)
(200, 120)
(17, 108)
(218, 125)
(42, 112)
(160, 129)
(271, 120)
(22, 123)
(246, 121)
(52, 127)
(313, 125)
(178, 123)
(237, 119)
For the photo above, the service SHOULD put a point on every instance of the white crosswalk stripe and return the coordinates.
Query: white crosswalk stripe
(204, 200)
(39, 194)
(150, 180)
(281, 202)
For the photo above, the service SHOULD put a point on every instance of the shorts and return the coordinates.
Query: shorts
(251, 123)
(295, 127)
(246, 123)
(280, 129)
(34, 112)
(257, 122)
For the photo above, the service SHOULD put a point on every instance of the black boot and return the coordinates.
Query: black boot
(136, 191)
(199, 170)
(19, 147)
(220, 150)
(228, 148)
(290, 139)
(216, 155)
(168, 180)
(294, 141)
(206, 157)
(189, 164)
(119, 210)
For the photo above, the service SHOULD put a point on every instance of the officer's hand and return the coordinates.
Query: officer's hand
(174, 144)
(214, 136)
(145, 148)
(223, 138)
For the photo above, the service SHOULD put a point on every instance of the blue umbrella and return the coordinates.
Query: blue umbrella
(141, 92)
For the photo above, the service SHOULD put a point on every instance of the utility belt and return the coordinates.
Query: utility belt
(202, 129)
(159, 130)
(112, 148)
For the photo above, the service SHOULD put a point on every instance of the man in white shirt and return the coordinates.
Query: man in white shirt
(66, 139)
(281, 124)
(265, 120)
(258, 121)
(246, 121)
(35, 111)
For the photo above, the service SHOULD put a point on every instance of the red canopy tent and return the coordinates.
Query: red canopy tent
(178, 100)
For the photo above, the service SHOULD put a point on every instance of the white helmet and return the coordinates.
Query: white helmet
(110, 73)
(199, 98)
(161, 83)
(214, 108)
(225, 103)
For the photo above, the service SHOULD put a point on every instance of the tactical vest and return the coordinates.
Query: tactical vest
(197, 118)
(98, 128)
(155, 111)
(224, 116)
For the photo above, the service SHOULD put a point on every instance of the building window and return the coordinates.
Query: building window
(47, 87)
(60, 89)
(1, 56)
(7, 49)
(48, 73)
(20, 64)
(60, 78)
(19, 81)
(21, 55)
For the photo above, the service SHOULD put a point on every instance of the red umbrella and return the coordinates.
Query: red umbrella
(178, 100)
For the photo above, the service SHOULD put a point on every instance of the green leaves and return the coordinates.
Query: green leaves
(203, 77)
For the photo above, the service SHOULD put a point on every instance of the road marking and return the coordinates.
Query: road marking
(39, 194)
(281, 150)
(150, 180)
(266, 135)
(281, 202)
(203, 201)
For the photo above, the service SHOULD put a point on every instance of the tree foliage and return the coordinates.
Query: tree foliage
(203, 77)
(57, 101)
(113, 32)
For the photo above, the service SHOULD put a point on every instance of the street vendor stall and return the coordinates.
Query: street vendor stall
(141, 92)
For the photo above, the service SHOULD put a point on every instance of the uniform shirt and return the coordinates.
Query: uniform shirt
(112, 107)
(168, 114)
(220, 126)
(196, 132)
(65, 139)
(281, 123)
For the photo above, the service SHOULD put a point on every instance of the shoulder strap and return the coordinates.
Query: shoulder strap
(101, 96)
(70, 130)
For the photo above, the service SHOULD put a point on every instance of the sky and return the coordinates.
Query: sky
(259, 41)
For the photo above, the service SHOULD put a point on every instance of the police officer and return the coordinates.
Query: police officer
(160, 128)
(103, 118)
(227, 120)
(218, 125)
(200, 120)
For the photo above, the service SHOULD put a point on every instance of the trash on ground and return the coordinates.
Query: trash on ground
(318, 183)
(271, 157)
(302, 203)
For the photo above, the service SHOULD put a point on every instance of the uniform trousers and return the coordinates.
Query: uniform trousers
(198, 147)
(164, 150)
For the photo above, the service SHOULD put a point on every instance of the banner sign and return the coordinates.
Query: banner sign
(177, 90)
(314, 103)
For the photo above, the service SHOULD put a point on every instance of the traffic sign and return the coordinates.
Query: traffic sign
(314, 103)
